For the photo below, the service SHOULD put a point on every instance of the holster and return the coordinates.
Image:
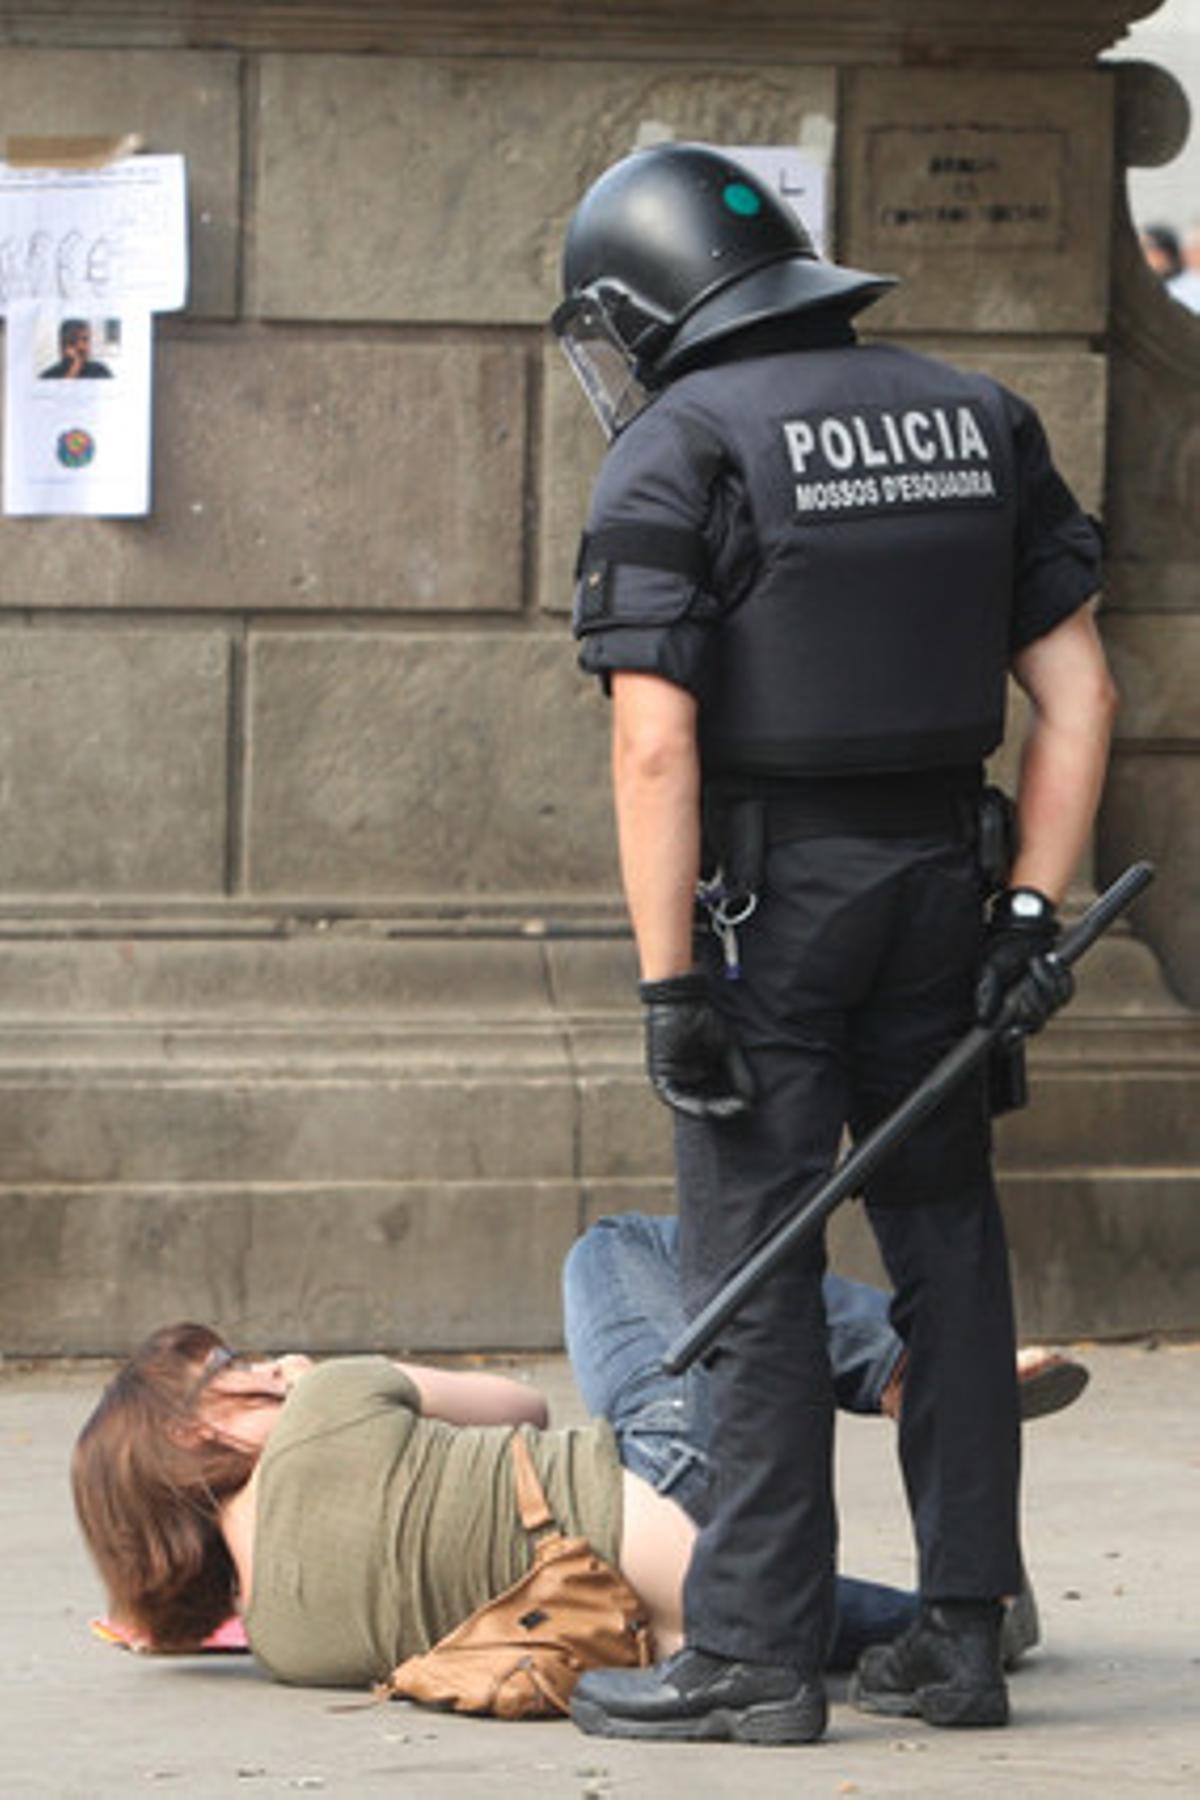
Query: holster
(995, 852)
(1008, 1083)
(735, 841)
(995, 839)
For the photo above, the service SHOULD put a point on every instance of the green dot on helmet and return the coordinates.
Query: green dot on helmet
(741, 199)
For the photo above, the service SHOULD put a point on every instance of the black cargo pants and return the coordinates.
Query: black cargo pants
(858, 971)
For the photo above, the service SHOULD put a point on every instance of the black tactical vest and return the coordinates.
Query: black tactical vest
(875, 634)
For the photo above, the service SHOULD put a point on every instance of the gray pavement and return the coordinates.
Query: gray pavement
(1109, 1705)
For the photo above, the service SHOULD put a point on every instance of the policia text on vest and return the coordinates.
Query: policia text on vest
(870, 459)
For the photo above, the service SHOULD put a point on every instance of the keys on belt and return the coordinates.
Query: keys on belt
(726, 910)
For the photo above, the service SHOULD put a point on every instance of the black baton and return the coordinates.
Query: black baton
(821, 1199)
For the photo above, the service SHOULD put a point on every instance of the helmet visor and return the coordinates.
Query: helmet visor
(600, 362)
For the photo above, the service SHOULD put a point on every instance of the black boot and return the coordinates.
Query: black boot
(945, 1669)
(695, 1695)
(1020, 1628)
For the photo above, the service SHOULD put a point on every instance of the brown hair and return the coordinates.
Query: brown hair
(148, 1491)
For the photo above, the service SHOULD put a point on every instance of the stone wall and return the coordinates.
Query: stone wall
(314, 982)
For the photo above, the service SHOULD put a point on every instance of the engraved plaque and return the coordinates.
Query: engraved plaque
(958, 187)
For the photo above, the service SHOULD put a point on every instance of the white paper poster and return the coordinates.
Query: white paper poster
(799, 176)
(77, 419)
(87, 256)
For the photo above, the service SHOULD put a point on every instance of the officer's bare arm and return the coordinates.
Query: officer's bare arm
(1066, 677)
(656, 787)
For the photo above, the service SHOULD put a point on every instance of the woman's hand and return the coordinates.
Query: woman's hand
(292, 1367)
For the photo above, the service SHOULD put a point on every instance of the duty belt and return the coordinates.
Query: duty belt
(904, 805)
(739, 827)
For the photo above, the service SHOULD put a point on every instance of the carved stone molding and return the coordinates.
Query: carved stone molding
(1014, 32)
(1152, 509)
(1152, 579)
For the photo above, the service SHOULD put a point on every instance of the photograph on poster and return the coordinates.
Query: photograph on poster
(83, 350)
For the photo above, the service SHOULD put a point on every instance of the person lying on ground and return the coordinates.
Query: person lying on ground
(354, 1511)
(357, 1511)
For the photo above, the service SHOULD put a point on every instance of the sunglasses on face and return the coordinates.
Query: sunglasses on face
(218, 1361)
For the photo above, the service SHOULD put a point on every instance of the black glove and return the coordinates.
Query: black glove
(1046, 985)
(691, 1059)
(1022, 928)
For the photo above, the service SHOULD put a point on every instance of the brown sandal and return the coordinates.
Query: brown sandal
(1047, 1380)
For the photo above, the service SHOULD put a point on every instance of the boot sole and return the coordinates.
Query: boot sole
(774, 1723)
(946, 1706)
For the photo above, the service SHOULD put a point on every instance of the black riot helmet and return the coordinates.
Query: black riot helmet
(672, 248)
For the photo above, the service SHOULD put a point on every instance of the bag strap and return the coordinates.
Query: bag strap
(532, 1504)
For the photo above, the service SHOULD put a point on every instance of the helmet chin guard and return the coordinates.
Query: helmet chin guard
(671, 249)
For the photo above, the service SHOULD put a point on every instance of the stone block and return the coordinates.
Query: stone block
(1111, 1118)
(986, 191)
(154, 1123)
(370, 207)
(1156, 662)
(624, 1129)
(179, 102)
(367, 977)
(596, 973)
(413, 765)
(408, 1268)
(1098, 1253)
(113, 746)
(1105, 1253)
(1151, 809)
(308, 473)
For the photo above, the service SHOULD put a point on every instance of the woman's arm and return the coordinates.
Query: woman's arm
(464, 1397)
(460, 1397)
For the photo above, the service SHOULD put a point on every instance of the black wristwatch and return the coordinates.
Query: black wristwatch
(1021, 906)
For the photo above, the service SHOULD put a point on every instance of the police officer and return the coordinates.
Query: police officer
(809, 567)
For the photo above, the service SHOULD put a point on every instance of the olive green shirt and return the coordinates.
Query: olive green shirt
(377, 1531)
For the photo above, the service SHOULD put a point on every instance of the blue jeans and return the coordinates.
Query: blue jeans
(621, 1309)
